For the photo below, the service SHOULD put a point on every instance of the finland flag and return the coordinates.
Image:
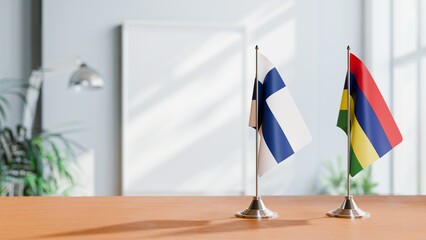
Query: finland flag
(281, 126)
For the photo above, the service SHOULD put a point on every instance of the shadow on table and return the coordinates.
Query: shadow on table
(237, 225)
(130, 227)
(195, 226)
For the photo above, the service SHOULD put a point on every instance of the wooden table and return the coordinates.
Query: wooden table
(392, 217)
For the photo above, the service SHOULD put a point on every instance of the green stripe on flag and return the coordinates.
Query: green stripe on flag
(355, 165)
(342, 120)
(342, 123)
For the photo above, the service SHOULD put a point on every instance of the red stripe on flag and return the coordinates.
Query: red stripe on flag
(374, 97)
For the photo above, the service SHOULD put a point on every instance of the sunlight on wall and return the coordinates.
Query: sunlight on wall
(405, 27)
(206, 51)
(406, 115)
(265, 13)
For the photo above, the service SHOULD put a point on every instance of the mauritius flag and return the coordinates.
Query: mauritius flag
(373, 129)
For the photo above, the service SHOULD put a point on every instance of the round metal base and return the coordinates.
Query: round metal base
(256, 209)
(348, 209)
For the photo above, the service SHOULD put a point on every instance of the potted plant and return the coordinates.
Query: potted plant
(34, 164)
(334, 180)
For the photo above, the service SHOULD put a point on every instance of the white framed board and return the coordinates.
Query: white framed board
(184, 109)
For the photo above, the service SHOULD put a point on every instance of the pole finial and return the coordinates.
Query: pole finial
(348, 48)
(257, 47)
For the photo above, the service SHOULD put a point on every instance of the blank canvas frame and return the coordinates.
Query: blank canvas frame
(184, 109)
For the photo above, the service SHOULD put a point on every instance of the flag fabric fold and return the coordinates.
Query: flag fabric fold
(373, 129)
(282, 129)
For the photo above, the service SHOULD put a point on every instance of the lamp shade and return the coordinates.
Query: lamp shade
(86, 77)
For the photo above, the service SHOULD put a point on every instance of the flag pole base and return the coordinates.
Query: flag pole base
(348, 209)
(257, 209)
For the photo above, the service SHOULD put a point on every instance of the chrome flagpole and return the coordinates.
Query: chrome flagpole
(257, 208)
(256, 80)
(348, 209)
(348, 122)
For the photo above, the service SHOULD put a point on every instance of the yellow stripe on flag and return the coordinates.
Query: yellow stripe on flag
(362, 147)
(344, 101)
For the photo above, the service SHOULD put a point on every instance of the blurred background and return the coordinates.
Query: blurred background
(172, 115)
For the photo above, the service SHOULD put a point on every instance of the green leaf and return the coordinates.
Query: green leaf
(30, 180)
(46, 160)
(2, 113)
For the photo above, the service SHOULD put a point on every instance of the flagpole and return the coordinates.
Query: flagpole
(257, 124)
(257, 208)
(348, 208)
(348, 182)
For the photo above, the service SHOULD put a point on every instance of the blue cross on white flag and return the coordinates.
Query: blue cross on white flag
(281, 126)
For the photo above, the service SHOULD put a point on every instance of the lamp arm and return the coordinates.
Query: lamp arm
(48, 71)
(31, 100)
(32, 97)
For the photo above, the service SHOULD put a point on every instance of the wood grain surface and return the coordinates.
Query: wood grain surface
(300, 217)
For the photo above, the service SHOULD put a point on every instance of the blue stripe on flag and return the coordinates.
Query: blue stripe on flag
(261, 103)
(272, 83)
(352, 82)
(274, 136)
(369, 122)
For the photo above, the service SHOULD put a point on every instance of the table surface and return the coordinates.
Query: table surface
(300, 217)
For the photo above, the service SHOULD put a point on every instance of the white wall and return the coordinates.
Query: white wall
(305, 39)
(15, 47)
(393, 44)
